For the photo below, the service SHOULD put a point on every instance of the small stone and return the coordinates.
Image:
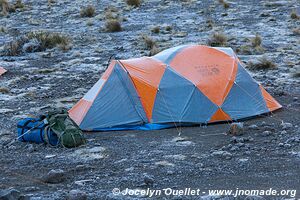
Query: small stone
(295, 99)
(236, 129)
(222, 154)
(253, 127)
(287, 146)
(281, 144)
(286, 125)
(10, 194)
(266, 133)
(54, 176)
(76, 195)
(148, 180)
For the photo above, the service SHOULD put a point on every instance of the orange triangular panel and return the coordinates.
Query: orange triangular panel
(211, 70)
(78, 112)
(271, 103)
(146, 74)
(220, 115)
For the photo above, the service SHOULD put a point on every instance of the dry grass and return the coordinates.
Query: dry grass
(256, 41)
(263, 63)
(155, 30)
(88, 11)
(49, 40)
(296, 31)
(4, 90)
(224, 3)
(217, 39)
(149, 42)
(135, 3)
(294, 15)
(45, 40)
(4, 6)
(113, 25)
(19, 4)
(168, 28)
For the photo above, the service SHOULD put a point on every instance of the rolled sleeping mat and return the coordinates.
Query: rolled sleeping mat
(39, 132)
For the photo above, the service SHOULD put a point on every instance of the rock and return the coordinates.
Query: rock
(265, 133)
(286, 125)
(236, 129)
(54, 176)
(253, 127)
(12, 194)
(222, 154)
(76, 195)
(148, 180)
(254, 198)
(287, 146)
(281, 144)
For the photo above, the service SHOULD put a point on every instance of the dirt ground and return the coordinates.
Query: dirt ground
(266, 156)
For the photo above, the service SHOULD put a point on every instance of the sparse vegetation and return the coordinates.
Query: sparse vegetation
(294, 15)
(155, 29)
(296, 31)
(150, 44)
(4, 90)
(217, 39)
(224, 3)
(113, 25)
(262, 63)
(256, 41)
(135, 3)
(88, 11)
(43, 40)
(4, 6)
(168, 28)
(19, 4)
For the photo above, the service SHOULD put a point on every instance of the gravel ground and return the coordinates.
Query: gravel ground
(267, 155)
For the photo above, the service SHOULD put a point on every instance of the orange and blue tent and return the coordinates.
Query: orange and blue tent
(184, 85)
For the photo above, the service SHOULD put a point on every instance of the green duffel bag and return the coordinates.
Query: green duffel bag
(69, 134)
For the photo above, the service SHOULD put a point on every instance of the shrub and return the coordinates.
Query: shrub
(113, 25)
(262, 63)
(155, 29)
(44, 40)
(224, 3)
(4, 6)
(149, 42)
(294, 15)
(256, 41)
(19, 4)
(217, 39)
(88, 11)
(135, 3)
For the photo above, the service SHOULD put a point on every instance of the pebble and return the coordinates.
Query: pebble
(236, 129)
(12, 194)
(253, 127)
(222, 154)
(54, 176)
(148, 180)
(76, 195)
(286, 125)
(265, 133)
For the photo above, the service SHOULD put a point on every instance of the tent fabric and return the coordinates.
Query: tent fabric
(2, 70)
(181, 86)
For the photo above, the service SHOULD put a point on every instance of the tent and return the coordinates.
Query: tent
(2, 70)
(184, 85)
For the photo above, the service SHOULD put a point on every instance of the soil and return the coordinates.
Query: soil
(265, 156)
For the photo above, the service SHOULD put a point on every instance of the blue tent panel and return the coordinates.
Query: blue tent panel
(114, 105)
(245, 98)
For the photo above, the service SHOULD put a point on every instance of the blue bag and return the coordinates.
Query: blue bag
(36, 131)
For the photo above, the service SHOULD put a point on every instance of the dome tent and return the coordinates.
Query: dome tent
(189, 84)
